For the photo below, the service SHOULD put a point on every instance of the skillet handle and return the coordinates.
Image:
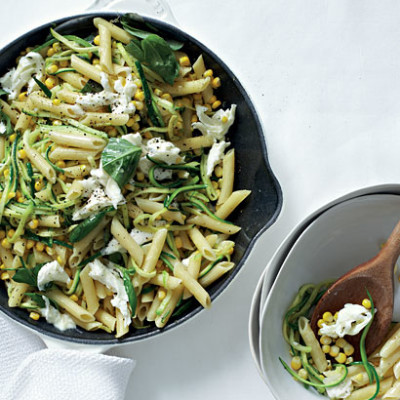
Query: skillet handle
(64, 345)
(154, 8)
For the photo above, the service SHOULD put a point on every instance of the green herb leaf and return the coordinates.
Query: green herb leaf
(120, 159)
(130, 291)
(42, 86)
(37, 298)
(92, 87)
(27, 275)
(155, 52)
(86, 226)
(5, 120)
(128, 20)
(3, 92)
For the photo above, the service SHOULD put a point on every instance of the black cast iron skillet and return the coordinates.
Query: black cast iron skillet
(258, 212)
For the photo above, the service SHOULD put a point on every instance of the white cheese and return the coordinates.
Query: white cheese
(111, 188)
(96, 202)
(3, 128)
(28, 66)
(215, 155)
(340, 391)
(133, 138)
(53, 316)
(351, 319)
(140, 237)
(109, 276)
(216, 126)
(51, 272)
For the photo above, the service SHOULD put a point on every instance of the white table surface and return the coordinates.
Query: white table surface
(325, 78)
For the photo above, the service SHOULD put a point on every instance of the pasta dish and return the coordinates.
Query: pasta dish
(116, 180)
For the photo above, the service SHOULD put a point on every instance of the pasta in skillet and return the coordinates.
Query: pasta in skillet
(116, 180)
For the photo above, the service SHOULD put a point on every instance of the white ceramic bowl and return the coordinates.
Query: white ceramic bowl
(339, 239)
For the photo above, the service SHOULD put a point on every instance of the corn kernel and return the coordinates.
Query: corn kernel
(167, 96)
(341, 358)
(161, 294)
(12, 137)
(184, 61)
(216, 104)
(216, 83)
(74, 297)
(39, 246)
(214, 184)
(135, 126)
(366, 303)
(341, 342)
(33, 224)
(197, 96)
(139, 105)
(61, 164)
(50, 52)
(212, 99)
(349, 360)
(11, 233)
(62, 177)
(38, 185)
(139, 95)
(218, 171)
(52, 69)
(56, 102)
(4, 276)
(50, 82)
(49, 250)
(22, 154)
(2, 266)
(326, 348)
(327, 316)
(208, 106)
(158, 92)
(178, 242)
(64, 63)
(34, 315)
(2, 234)
(303, 373)
(30, 244)
(296, 363)
(194, 119)
(208, 74)
(6, 172)
(96, 40)
(334, 351)
(11, 195)
(22, 96)
(130, 122)
(112, 132)
(57, 122)
(140, 176)
(348, 349)
(6, 244)
(56, 47)
(320, 322)
(325, 340)
(137, 82)
(148, 135)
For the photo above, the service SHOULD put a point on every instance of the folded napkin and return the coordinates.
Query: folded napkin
(29, 370)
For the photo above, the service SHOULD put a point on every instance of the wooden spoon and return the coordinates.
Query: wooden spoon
(377, 276)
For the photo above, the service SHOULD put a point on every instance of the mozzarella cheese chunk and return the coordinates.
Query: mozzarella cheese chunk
(51, 272)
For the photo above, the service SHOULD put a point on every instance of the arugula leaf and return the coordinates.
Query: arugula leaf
(3, 92)
(42, 86)
(130, 291)
(92, 87)
(37, 298)
(120, 159)
(5, 120)
(27, 275)
(157, 55)
(128, 20)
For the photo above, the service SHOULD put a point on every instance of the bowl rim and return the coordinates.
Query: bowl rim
(166, 27)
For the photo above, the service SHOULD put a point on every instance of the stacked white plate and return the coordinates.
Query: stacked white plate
(328, 243)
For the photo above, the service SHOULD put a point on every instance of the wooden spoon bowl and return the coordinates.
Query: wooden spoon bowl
(376, 276)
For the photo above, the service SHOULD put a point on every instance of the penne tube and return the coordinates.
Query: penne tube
(116, 32)
(107, 319)
(74, 79)
(69, 153)
(162, 319)
(156, 247)
(202, 244)
(92, 300)
(231, 203)
(62, 110)
(105, 48)
(228, 173)
(104, 119)
(183, 88)
(217, 271)
(214, 225)
(50, 221)
(17, 294)
(81, 140)
(121, 328)
(194, 143)
(6, 108)
(170, 282)
(367, 392)
(152, 207)
(85, 68)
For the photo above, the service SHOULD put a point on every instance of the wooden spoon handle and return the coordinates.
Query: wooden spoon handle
(391, 250)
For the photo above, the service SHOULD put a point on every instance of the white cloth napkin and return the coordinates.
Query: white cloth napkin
(29, 370)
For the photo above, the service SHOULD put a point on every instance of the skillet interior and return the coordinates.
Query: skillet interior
(253, 172)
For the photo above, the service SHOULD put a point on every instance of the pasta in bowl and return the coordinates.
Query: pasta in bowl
(118, 181)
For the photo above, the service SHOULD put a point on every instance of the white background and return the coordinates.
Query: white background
(325, 78)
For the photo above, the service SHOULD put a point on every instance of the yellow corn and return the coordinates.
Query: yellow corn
(366, 303)
(303, 373)
(218, 171)
(325, 340)
(38, 185)
(212, 99)
(341, 342)
(34, 315)
(137, 82)
(61, 164)
(224, 119)
(57, 122)
(56, 102)
(184, 61)
(33, 224)
(64, 63)
(74, 297)
(139, 95)
(148, 135)
(50, 52)
(56, 47)
(334, 351)
(140, 176)
(62, 177)
(52, 69)
(326, 348)
(135, 126)
(22, 96)
(11, 233)
(161, 294)
(6, 244)
(167, 96)
(2, 234)
(12, 137)
(216, 104)
(296, 363)
(4, 276)
(130, 122)
(11, 195)
(320, 322)
(197, 96)
(21, 200)
(112, 131)
(49, 250)
(158, 92)
(39, 246)
(178, 242)
(208, 74)
(50, 82)
(30, 244)
(139, 105)
(96, 40)
(22, 154)
(341, 358)
(327, 316)
(6, 172)
(348, 349)
(216, 83)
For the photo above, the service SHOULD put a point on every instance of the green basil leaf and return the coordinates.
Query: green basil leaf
(134, 48)
(5, 120)
(130, 291)
(120, 159)
(42, 86)
(92, 87)
(160, 58)
(27, 275)
(37, 298)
